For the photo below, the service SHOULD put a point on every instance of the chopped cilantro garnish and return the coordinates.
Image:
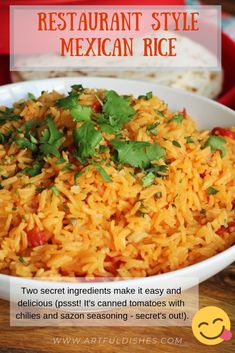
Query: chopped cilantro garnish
(31, 96)
(32, 138)
(8, 115)
(216, 143)
(148, 96)
(29, 125)
(34, 170)
(68, 102)
(81, 113)
(158, 112)
(148, 179)
(51, 135)
(103, 149)
(25, 143)
(102, 172)
(60, 160)
(4, 138)
(78, 112)
(86, 139)
(22, 260)
(137, 153)
(76, 175)
(66, 167)
(212, 191)
(151, 128)
(50, 139)
(76, 89)
(49, 142)
(178, 118)
(117, 111)
(133, 174)
(176, 143)
(158, 170)
(189, 139)
(54, 189)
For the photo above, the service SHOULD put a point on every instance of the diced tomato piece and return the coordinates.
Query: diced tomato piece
(230, 228)
(36, 237)
(223, 132)
(96, 106)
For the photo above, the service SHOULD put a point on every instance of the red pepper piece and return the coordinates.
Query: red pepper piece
(230, 228)
(96, 106)
(184, 113)
(36, 237)
(223, 132)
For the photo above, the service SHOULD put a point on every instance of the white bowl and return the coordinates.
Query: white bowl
(206, 113)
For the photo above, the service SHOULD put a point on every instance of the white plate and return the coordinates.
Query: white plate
(206, 113)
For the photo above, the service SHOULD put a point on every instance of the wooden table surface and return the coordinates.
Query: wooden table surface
(218, 291)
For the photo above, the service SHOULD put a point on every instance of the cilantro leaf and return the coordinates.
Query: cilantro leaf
(176, 143)
(31, 96)
(61, 160)
(66, 167)
(102, 172)
(32, 138)
(8, 115)
(212, 191)
(50, 139)
(78, 112)
(54, 134)
(54, 190)
(25, 143)
(4, 138)
(86, 139)
(189, 139)
(178, 118)
(47, 150)
(137, 153)
(151, 128)
(30, 124)
(22, 260)
(148, 96)
(76, 89)
(67, 102)
(34, 170)
(103, 149)
(216, 143)
(117, 111)
(148, 179)
(158, 112)
(81, 113)
(158, 170)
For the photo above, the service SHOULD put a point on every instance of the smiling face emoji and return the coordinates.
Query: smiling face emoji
(211, 325)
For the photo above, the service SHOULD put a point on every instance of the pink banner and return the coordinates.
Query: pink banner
(59, 37)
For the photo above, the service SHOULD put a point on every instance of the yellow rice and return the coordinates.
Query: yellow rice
(118, 228)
